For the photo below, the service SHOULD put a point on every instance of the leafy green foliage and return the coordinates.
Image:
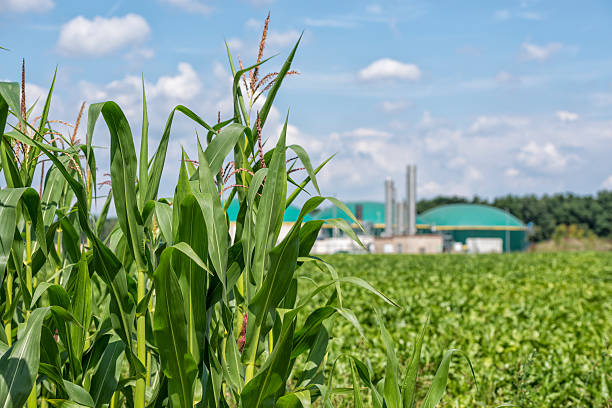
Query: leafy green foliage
(536, 327)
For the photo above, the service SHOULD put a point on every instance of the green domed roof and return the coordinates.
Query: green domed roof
(291, 213)
(470, 215)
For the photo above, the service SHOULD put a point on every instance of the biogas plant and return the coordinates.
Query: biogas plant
(393, 226)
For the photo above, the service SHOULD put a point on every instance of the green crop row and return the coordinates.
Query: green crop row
(537, 327)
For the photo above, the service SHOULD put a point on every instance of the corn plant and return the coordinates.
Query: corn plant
(170, 309)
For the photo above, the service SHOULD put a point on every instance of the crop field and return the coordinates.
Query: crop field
(537, 327)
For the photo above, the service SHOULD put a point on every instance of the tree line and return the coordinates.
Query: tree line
(547, 212)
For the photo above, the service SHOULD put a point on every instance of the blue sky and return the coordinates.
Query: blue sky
(486, 97)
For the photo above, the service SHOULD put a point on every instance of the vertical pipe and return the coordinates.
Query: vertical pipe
(399, 205)
(411, 199)
(388, 207)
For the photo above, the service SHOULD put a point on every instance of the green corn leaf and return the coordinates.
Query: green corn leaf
(271, 208)
(222, 145)
(78, 394)
(391, 381)
(367, 286)
(106, 375)
(62, 403)
(309, 331)
(262, 389)
(438, 385)
(180, 192)
(188, 260)
(409, 386)
(9, 200)
(81, 307)
(9, 92)
(107, 265)
(170, 329)
(163, 214)
(157, 164)
(214, 217)
(298, 399)
(55, 184)
(33, 153)
(93, 112)
(123, 176)
(9, 165)
(265, 109)
(305, 159)
(19, 365)
(283, 259)
(143, 170)
(356, 387)
(104, 213)
(313, 372)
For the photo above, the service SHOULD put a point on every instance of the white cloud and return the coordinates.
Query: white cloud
(543, 157)
(607, 183)
(102, 36)
(185, 85)
(374, 9)
(329, 22)
(387, 68)
(525, 15)
(235, 44)
(566, 116)
(127, 92)
(393, 106)
(502, 14)
(427, 120)
(253, 24)
(504, 77)
(30, 6)
(540, 52)
(192, 6)
(140, 54)
(489, 123)
(361, 133)
(511, 172)
(282, 39)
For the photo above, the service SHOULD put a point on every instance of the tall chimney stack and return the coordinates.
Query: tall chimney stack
(411, 199)
(389, 204)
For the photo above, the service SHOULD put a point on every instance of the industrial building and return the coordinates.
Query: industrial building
(477, 227)
(393, 226)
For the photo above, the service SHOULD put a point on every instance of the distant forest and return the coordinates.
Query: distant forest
(593, 213)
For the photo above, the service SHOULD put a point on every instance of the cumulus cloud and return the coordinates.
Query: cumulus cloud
(102, 36)
(566, 116)
(543, 157)
(540, 52)
(362, 133)
(192, 6)
(30, 6)
(502, 14)
(235, 44)
(282, 38)
(393, 106)
(504, 77)
(387, 68)
(489, 123)
(127, 92)
(511, 172)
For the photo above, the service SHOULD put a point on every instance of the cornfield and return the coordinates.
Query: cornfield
(171, 309)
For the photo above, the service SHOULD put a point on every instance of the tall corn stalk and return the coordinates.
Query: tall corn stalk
(170, 309)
